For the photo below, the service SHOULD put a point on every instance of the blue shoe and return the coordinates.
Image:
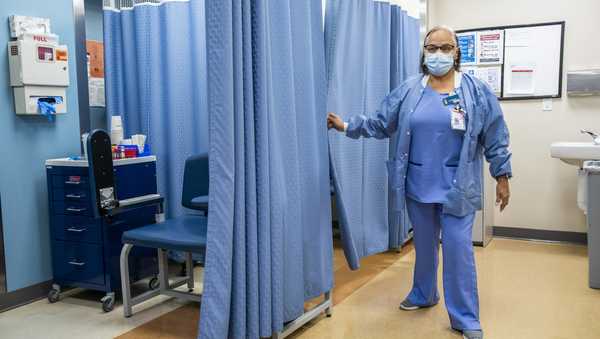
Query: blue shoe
(472, 334)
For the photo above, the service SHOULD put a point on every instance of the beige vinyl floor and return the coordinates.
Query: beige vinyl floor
(527, 290)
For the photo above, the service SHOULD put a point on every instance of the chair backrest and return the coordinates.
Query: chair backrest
(195, 179)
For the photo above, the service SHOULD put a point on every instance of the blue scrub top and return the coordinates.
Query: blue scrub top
(434, 150)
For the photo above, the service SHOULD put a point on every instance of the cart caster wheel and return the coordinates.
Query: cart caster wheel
(153, 284)
(53, 296)
(108, 303)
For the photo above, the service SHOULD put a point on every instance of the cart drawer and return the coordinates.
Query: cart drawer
(76, 228)
(70, 181)
(80, 194)
(78, 262)
(72, 208)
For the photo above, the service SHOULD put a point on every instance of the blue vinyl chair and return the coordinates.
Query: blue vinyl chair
(195, 183)
(186, 233)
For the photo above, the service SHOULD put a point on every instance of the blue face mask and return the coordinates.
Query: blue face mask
(439, 63)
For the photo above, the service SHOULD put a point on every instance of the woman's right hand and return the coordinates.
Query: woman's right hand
(334, 121)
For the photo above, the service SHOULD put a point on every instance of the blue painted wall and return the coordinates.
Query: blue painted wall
(25, 143)
(94, 31)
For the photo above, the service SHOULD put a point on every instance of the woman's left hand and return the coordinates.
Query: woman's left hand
(502, 192)
(334, 121)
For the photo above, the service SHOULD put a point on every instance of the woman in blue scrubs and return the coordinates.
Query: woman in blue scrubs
(446, 122)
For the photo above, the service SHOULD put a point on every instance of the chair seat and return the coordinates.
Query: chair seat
(200, 203)
(185, 233)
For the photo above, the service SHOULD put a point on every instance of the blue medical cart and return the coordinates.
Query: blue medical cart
(85, 248)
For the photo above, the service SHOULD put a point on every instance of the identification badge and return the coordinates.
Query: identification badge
(452, 99)
(457, 119)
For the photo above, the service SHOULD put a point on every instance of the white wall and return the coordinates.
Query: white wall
(543, 189)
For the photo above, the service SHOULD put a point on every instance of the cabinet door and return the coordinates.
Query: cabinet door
(135, 180)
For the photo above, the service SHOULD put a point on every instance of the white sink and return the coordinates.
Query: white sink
(575, 153)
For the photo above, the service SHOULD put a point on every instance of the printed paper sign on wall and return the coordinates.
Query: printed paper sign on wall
(490, 47)
(466, 43)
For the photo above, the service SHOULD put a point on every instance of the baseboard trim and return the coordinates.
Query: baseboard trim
(24, 295)
(544, 235)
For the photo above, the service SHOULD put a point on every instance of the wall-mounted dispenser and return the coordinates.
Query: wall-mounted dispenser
(583, 83)
(39, 71)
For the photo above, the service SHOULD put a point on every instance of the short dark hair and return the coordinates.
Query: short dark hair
(431, 31)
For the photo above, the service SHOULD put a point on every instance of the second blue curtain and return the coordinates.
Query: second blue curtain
(372, 47)
(269, 226)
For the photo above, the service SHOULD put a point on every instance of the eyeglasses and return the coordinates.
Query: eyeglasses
(446, 48)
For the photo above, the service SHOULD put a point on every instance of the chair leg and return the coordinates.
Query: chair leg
(163, 270)
(329, 310)
(190, 271)
(125, 281)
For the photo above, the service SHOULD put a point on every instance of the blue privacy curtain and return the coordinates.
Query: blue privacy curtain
(269, 227)
(155, 63)
(371, 46)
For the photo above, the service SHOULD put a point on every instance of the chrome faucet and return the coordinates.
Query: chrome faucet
(595, 136)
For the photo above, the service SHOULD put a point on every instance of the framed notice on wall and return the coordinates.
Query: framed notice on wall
(517, 62)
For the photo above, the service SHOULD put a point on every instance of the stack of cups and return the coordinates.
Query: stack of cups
(116, 130)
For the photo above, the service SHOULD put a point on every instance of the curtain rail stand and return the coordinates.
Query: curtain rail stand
(325, 306)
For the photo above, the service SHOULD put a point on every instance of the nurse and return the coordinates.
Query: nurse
(446, 122)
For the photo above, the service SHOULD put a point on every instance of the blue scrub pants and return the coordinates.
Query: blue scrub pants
(460, 279)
